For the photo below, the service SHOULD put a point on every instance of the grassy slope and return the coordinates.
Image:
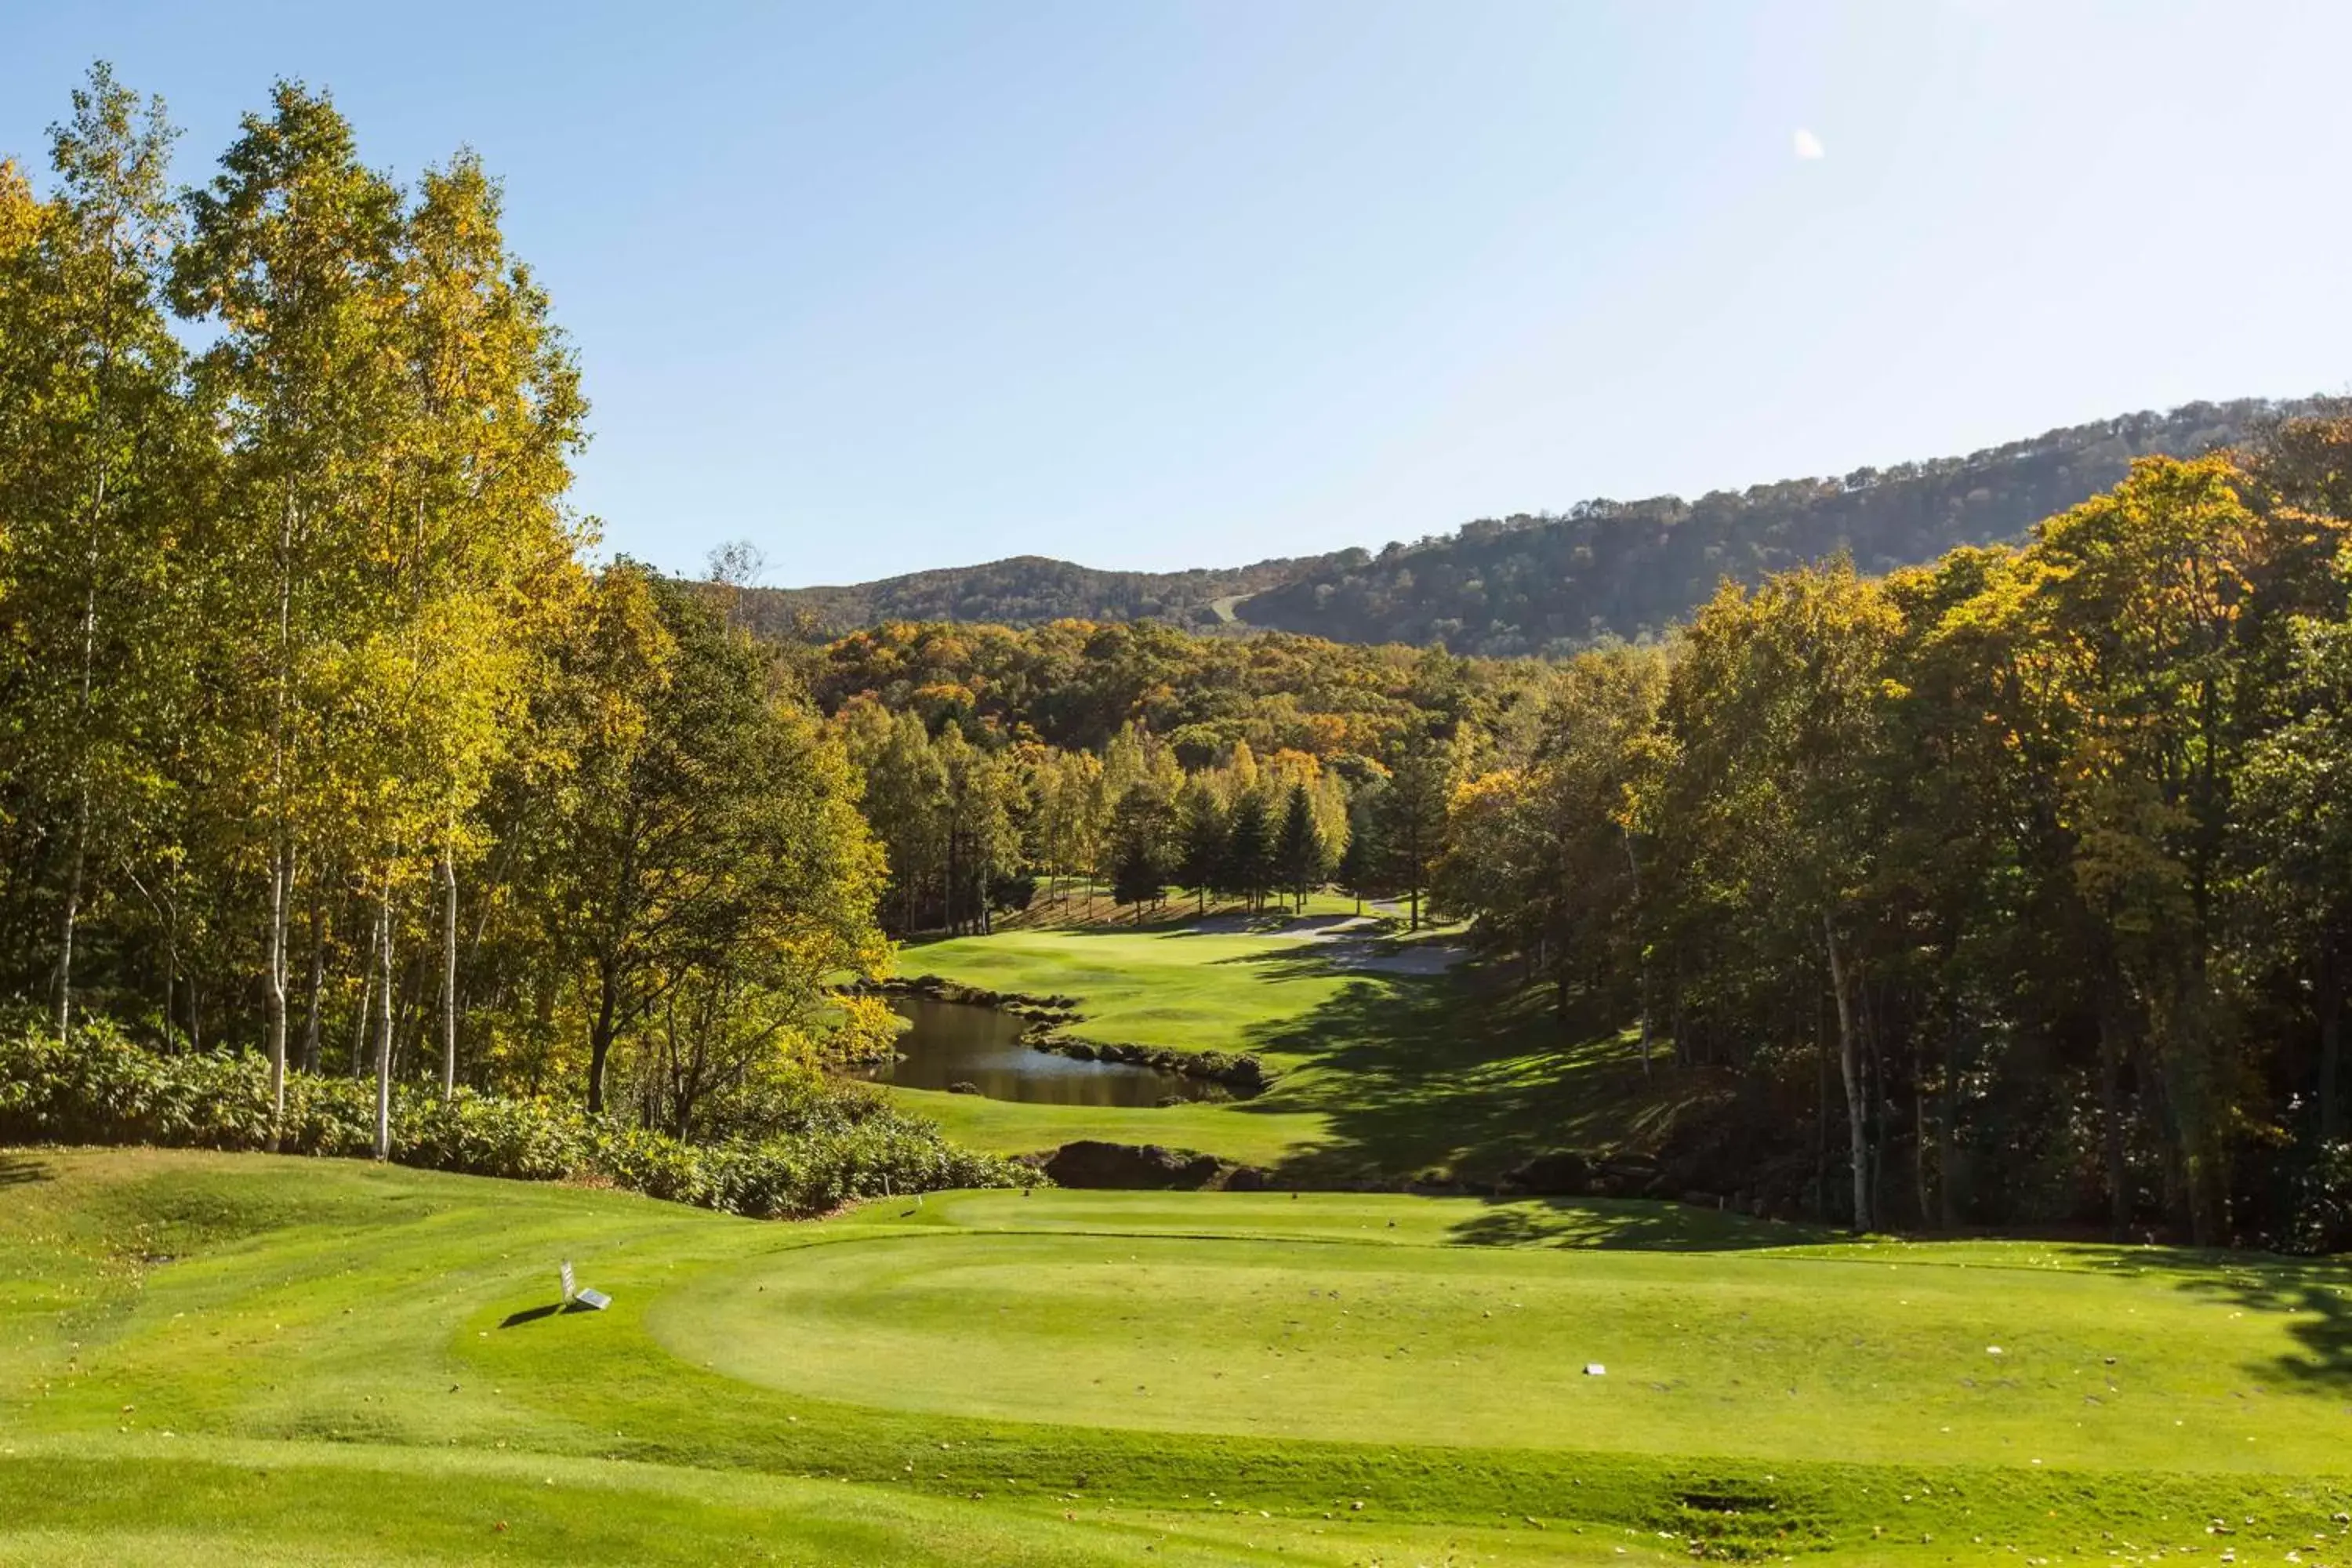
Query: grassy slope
(1381, 1074)
(347, 1364)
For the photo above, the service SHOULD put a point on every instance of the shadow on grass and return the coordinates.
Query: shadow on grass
(1625, 1223)
(20, 1170)
(1452, 1078)
(2314, 1290)
(534, 1314)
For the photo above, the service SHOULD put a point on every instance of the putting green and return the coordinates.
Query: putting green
(1331, 1332)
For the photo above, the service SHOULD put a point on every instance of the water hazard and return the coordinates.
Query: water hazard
(949, 1043)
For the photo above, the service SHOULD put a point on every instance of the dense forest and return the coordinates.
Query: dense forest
(2015, 887)
(1550, 583)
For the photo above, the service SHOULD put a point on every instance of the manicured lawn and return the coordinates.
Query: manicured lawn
(217, 1359)
(1381, 1075)
(1164, 986)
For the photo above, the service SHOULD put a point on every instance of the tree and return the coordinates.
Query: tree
(1763, 797)
(1412, 823)
(1362, 864)
(1201, 839)
(484, 558)
(1142, 831)
(1249, 862)
(1298, 845)
(711, 837)
(97, 447)
(292, 253)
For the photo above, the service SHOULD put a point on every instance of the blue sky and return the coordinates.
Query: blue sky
(882, 287)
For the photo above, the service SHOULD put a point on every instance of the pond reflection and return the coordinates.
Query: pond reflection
(949, 1043)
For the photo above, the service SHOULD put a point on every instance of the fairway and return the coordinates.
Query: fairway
(208, 1358)
(1449, 1076)
(1172, 986)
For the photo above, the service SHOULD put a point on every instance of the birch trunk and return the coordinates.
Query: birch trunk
(448, 973)
(277, 960)
(367, 997)
(1850, 1070)
(317, 983)
(383, 1029)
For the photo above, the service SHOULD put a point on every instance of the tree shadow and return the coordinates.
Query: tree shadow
(20, 1170)
(1624, 1224)
(2318, 1291)
(1459, 1076)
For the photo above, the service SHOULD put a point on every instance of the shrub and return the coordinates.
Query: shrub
(823, 1147)
(2321, 1206)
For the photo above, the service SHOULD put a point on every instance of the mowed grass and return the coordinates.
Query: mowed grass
(216, 1358)
(1390, 1328)
(1169, 986)
(1380, 1075)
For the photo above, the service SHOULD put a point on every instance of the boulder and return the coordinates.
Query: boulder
(960, 1086)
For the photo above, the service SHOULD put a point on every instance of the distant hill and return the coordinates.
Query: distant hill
(1027, 590)
(1546, 583)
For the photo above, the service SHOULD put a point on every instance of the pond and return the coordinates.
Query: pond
(949, 1043)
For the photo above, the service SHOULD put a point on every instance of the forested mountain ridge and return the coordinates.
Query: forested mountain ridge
(1629, 569)
(1025, 590)
(1549, 582)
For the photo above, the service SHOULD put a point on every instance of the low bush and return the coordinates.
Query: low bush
(832, 1144)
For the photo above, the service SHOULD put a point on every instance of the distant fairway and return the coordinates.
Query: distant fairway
(1158, 986)
(1380, 1075)
(217, 1359)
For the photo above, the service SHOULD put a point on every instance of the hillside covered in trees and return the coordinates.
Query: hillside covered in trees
(1631, 569)
(1027, 590)
(1552, 582)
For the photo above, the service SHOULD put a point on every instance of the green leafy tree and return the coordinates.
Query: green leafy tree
(292, 256)
(98, 445)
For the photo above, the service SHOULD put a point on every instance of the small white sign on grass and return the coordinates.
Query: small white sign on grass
(594, 1301)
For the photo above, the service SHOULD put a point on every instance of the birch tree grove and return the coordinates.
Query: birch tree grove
(292, 253)
(319, 732)
(87, 486)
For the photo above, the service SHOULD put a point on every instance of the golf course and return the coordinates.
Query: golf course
(216, 1358)
(1361, 1025)
(1050, 786)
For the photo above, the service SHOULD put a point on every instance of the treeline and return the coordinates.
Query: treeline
(1075, 684)
(1000, 761)
(974, 831)
(1630, 570)
(2012, 888)
(316, 730)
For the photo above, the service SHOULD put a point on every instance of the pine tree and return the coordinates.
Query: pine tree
(1249, 867)
(1298, 845)
(1200, 837)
